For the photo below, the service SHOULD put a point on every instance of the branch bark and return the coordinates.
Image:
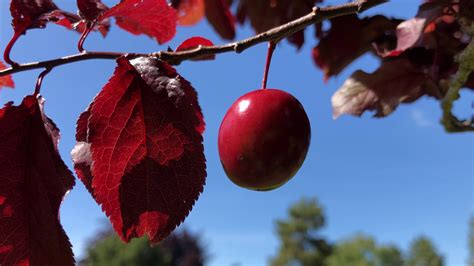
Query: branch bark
(466, 67)
(276, 34)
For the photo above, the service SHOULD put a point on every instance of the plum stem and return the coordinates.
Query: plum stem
(271, 49)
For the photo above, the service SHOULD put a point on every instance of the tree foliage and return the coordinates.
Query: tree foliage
(363, 251)
(179, 249)
(301, 244)
(299, 238)
(389, 255)
(423, 253)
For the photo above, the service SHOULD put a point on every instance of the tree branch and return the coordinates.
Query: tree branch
(466, 67)
(276, 34)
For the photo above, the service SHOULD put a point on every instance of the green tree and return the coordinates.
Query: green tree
(389, 256)
(358, 251)
(301, 245)
(363, 251)
(423, 253)
(300, 241)
(471, 242)
(179, 249)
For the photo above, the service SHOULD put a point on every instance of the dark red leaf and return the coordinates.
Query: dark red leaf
(297, 39)
(154, 18)
(103, 27)
(410, 32)
(443, 39)
(34, 182)
(175, 3)
(28, 14)
(194, 42)
(190, 12)
(465, 9)
(267, 14)
(6, 81)
(395, 82)
(91, 9)
(219, 16)
(139, 149)
(348, 38)
(81, 153)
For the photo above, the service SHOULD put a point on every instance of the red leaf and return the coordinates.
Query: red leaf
(410, 32)
(139, 149)
(393, 83)
(6, 81)
(297, 39)
(465, 9)
(81, 153)
(267, 14)
(154, 18)
(28, 14)
(91, 9)
(433, 38)
(219, 16)
(190, 12)
(34, 182)
(194, 42)
(103, 27)
(348, 38)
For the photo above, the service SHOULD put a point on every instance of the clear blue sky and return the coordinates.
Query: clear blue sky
(393, 178)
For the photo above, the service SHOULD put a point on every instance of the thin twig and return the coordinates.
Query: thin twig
(62, 61)
(317, 15)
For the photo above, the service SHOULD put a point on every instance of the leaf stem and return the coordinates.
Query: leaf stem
(8, 49)
(89, 26)
(39, 81)
(271, 49)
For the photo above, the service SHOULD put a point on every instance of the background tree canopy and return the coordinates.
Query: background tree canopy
(300, 241)
(179, 249)
(301, 244)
